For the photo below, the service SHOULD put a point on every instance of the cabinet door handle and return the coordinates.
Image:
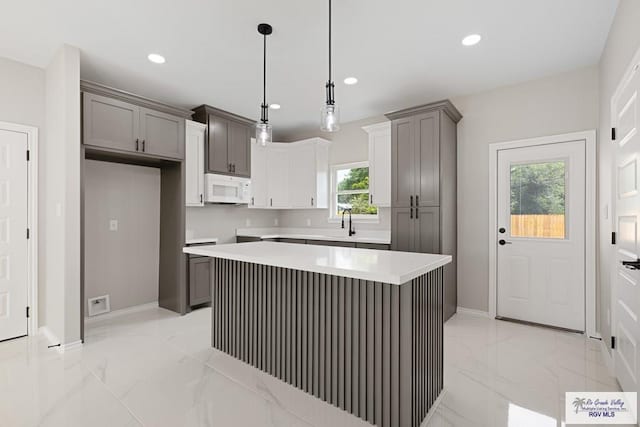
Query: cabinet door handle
(411, 200)
(417, 203)
(270, 202)
(201, 198)
(136, 144)
(229, 167)
(417, 213)
(411, 213)
(253, 202)
(370, 199)
(312, 201)
(143, 145)
(234, 168)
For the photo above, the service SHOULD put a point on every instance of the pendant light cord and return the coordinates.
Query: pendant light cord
(329, 41)
(264, 108)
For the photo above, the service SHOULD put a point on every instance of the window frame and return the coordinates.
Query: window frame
(333, 193)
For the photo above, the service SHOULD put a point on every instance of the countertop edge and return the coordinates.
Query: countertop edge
(371, 240)
(333, 271)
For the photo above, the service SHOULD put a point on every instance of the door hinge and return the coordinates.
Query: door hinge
(28, 233)
(28, 155)
(613, 343)
(613, 134)
(27, 312)
(613, 238)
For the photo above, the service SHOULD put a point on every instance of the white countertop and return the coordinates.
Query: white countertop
(382, 237)
(201, 240)
(366, 264)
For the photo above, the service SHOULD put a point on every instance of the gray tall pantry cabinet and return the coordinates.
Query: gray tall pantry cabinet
(423, 185)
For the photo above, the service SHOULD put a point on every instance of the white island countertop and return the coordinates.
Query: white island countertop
(391, 267)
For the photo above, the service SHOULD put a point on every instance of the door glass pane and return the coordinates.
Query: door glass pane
(538, 193)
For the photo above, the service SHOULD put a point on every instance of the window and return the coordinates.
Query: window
(350, 190)
(538, 200)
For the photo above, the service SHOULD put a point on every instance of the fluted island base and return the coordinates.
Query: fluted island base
(373, 349)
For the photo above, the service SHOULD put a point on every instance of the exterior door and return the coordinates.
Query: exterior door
(13, 234)
(626, 278)
(541, 234)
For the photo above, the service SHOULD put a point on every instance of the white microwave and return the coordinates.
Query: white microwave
(227, 189)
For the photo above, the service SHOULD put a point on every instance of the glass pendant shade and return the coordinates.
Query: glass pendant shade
(263, 133)
(330, 118)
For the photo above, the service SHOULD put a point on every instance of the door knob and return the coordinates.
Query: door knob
(503, 242)
(502, 230)
(632, 265)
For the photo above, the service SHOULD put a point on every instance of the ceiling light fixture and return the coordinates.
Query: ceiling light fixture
(263, 128)
(330, 114)
(471, 39)
(350, 81)
(156, 58)
(274, 106)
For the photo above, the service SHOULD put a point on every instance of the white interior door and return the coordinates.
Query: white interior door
(626, 278)
(13, 234)
(541, 234)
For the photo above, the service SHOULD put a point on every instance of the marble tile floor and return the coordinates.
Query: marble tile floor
(155, 368)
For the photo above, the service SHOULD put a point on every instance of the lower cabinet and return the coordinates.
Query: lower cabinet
(416, 229)
(199, 280)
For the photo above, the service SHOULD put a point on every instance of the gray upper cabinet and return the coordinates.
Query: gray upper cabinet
(161, 134)
(423, 185)
(427, 157)
(120, 122)
(228, 141)
(216, 145)
(110, 123)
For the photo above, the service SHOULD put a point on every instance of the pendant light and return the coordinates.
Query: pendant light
(330, 114)
(263, 128)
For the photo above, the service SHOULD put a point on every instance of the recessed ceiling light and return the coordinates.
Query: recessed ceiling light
(350, 81)
(156, 58)
(471, 39)
(274, 106)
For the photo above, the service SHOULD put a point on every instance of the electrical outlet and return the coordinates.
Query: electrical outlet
(58, 210)
(275, 222)
(308, 222)
(113, 225)
(247, 222)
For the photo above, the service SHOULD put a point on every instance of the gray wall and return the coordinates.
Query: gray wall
(122, 263)
(221, 221)
(554, 105)
(22, 101)
(622, 44)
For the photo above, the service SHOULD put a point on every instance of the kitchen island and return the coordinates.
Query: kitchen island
(358, 328)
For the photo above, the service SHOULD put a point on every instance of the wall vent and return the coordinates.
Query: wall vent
(99, 305)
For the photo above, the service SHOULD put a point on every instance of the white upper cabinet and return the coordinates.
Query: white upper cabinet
(379, 163)
(290, 175)
(259, 198)
(278, 176)
(194, 163)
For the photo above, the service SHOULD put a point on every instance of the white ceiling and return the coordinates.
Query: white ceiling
(404, 52)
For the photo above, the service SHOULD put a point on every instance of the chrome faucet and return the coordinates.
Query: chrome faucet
(352, 230)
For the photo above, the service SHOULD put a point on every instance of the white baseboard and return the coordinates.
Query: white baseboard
(608, 357)
(121, 312)
(50, 336)
(472, 312)
(53, 340)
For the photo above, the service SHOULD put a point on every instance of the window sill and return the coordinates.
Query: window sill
(375, 220)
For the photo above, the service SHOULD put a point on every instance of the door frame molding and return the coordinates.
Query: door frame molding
(589, 137)
(32, 221)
